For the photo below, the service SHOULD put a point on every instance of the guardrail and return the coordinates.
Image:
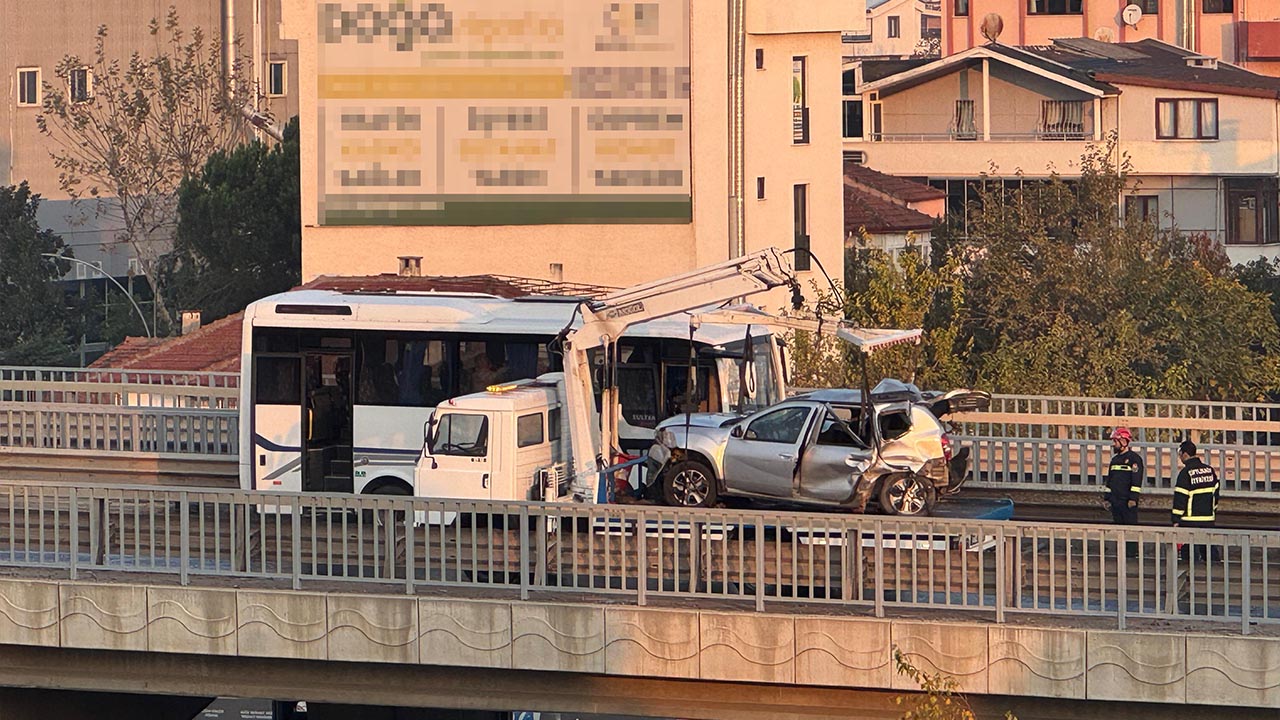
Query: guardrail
(761, 559)
(108, 386)
(114, 429)
(1036, 464)
(1078, 418)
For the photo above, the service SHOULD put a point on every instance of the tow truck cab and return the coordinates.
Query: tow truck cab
(494, 445)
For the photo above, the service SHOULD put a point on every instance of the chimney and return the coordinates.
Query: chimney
(410, 266)
(190, 321)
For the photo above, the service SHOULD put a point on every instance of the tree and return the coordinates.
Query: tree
(1049, 289)
(147, 125)
(239, 230)
(35, 323)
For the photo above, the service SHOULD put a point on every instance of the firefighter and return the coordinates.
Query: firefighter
(1124, 479)
(1195, 496)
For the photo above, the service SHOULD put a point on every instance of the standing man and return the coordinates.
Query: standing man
(1195, 495)
(1124, 479)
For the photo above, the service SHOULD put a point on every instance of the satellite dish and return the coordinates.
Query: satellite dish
(1104, 34)
(1131, 15)
(992, 26)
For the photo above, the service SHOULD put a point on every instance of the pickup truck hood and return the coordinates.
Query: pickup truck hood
(707, 420)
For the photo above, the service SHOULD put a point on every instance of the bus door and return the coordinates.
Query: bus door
(277, 430)
(326, 421)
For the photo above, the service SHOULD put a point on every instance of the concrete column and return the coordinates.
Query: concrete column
(986, 99)
(29, 704)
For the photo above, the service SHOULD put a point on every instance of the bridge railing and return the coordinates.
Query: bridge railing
(761, 560)
(1053, 464)
(1082, 418)
(120, 430)
(109, 386)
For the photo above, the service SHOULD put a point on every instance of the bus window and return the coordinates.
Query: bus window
(461, 434)
(401, 371)
(277, 381)
(638, 396)
(482, 363)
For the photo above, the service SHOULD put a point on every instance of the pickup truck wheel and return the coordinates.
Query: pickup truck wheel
(907, 494)
(689, 483)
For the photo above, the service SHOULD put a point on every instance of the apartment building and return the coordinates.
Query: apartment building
(597, 142)
(898, 29)
(1243, 32)
(1203, 136)
(34, 39)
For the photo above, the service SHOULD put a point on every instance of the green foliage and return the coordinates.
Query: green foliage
(35, 323)
(1054, 292)
(239, 230)
(153, 120)
(939, 697)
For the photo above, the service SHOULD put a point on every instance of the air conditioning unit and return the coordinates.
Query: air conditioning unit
(857, 157)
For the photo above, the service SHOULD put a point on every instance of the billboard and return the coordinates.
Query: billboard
(503, 112)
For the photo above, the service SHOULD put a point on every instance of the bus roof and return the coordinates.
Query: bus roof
(453, 312)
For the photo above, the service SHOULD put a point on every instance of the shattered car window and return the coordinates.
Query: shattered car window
(780, 426)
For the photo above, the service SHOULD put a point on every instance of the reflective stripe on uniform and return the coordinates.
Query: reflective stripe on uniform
(1184, 491)
(1178, 512)
(1135, 489)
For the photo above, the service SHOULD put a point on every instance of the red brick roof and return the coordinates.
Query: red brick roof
(216, 346)
(863, 209)
(500, 285)
(902, 189)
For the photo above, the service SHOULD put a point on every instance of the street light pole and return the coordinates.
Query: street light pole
(99, 270)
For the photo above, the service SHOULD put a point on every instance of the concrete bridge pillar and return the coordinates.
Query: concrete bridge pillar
(31, 704)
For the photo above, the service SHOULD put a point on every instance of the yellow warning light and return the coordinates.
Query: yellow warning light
(500, 388)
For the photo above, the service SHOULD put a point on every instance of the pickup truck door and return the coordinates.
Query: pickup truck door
(832, 462)
(762, 453)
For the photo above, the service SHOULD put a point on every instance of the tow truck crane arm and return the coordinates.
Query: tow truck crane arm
(592, 434)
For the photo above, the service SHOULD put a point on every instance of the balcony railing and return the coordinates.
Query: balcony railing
(1035, 136)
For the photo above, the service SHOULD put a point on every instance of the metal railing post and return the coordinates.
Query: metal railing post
(1003, 581)
(642, 561)
(1122, 579)
(410, 563)
(524, 537)
(184, 541)
(879, 570)
(295, 544)
(759, 530)
(73, 542)
(1246, 584)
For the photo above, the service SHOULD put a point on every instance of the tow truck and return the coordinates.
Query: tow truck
(460, 456)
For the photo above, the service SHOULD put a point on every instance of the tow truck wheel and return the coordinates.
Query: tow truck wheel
(907, 494)
(689, 483)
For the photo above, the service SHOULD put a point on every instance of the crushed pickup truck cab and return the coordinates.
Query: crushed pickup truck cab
(818, 449)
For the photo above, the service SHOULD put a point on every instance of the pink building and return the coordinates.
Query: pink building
(1243, 32)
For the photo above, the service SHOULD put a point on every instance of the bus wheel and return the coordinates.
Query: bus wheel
(391, 488)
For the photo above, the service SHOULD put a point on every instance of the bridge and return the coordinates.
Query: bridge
(181, 589)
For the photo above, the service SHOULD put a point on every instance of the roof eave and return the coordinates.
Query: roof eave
(1192, 86)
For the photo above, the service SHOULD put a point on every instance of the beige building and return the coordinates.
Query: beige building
(594, 142)
(34, 39)
(898, 29)
(1202, 137)
(1244, 32)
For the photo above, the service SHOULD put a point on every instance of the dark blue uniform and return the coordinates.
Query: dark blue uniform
(1124, 483)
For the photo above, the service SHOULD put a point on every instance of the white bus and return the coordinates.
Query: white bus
(336, 387)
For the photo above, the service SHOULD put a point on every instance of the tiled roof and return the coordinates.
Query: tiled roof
(1152, 63)
(907, 191)
(500, 285)
(864, 209)
(216, 346)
